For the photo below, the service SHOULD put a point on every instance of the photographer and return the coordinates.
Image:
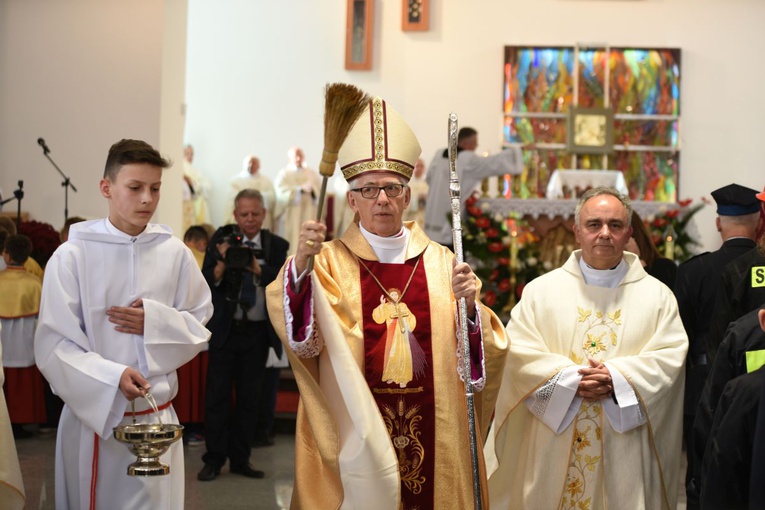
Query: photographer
(239, 262)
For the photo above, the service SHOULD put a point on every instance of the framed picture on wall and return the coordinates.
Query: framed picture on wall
(590, 130)
(414, 15)
(358, 34)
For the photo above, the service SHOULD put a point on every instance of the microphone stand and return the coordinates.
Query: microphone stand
(66, 184)
(17, 195)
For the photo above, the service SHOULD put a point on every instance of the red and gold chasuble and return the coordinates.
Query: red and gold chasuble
(401, 337)
(406, 404)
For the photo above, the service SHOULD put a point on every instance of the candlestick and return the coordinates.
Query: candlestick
(513, 266)
(514, 249)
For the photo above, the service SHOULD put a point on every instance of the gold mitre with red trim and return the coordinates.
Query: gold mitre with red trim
(381, 140)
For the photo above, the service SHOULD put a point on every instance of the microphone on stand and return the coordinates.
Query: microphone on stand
(17, 195)
(67, 182)
(41, 143)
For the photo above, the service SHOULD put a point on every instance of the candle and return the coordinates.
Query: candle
(669, 243)
(514, 249)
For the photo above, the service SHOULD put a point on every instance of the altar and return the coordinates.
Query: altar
(544, 214)
(583, 116)
(564, 183)
(551, 221)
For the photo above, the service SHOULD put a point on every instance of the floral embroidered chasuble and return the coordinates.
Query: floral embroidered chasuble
(556, 326)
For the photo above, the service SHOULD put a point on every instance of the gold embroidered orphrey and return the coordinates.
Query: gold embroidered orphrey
(399, 364)
(403, 427)
(401, 422)
(586, 455)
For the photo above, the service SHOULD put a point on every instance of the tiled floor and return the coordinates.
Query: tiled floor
(228, 491)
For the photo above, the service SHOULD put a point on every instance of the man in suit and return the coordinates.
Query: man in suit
(240, 261)
(696, 287)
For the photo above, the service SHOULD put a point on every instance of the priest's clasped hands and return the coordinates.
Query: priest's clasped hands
(596, 383)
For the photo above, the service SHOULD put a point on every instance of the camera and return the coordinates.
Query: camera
(238, 260)
(238, 256)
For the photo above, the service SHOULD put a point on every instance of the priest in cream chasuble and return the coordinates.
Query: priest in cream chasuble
(371, 334)
(589, 415)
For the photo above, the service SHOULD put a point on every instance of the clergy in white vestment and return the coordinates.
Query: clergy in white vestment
(297, 194)
(20, 293)
(196, 188)
(342, 214)
(251, 178)
(123, 306)
(472, 169)
(589, 414)
(419, 187)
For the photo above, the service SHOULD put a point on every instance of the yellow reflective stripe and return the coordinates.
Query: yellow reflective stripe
(758, 276)
(754, 360)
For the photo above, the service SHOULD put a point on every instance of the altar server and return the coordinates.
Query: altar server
(124, 304)
(20, 293)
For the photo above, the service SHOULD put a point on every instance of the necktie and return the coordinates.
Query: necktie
(249, 291)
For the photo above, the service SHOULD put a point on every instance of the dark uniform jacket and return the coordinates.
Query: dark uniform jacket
(696, 288)
(664, 270)
(728, 457)
(741, 290)
(743, 335)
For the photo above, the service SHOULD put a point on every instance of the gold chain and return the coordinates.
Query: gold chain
(395, 301)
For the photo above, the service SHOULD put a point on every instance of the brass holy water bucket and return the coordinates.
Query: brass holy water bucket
(148, 442)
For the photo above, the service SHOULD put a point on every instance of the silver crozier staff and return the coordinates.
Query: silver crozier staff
(454, 193)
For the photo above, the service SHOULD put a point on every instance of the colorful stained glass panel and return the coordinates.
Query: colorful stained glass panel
(541, 83)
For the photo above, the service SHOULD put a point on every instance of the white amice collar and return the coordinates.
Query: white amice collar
(391, 250)
(117, 232)
(609, 278)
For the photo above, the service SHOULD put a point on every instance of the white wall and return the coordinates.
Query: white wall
(83, 74)
(256, 72)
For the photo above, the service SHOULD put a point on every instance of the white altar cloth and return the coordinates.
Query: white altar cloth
(584, 179)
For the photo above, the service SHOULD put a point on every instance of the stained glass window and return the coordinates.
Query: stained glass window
(643, 90)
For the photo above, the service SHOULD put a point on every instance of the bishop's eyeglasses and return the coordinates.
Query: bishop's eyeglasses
(391, 190)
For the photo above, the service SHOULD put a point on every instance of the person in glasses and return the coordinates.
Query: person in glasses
(371, 335)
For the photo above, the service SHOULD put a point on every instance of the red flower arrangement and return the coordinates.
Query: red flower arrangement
(677, 221)
(487, 245)
(45, 239)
